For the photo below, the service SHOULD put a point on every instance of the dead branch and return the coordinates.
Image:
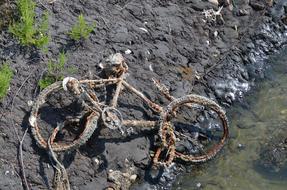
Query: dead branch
(21, 162)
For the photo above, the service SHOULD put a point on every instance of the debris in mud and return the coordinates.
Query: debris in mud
(177, 38)
(211, 15)
(122, 180)
(107, 115)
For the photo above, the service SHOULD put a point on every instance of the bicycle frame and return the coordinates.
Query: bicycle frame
(120, 82)
(111, 117)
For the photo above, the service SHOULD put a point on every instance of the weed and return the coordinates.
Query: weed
(6, 75)
(27, 30)
(55, 71)
(81, 29)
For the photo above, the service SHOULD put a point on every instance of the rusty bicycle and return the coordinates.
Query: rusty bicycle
(179, 138)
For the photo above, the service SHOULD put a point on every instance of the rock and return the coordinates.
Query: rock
(257, 5)
(198, 185)
(128, 51)
(133, 177)
(214, 2)
(121, 180)
(242, 12)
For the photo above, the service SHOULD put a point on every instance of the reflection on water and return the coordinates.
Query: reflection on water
(261, 119)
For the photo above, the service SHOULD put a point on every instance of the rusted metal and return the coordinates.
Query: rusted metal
(84, 91)
(140, 123)
(90, 125)
(195, 99)
(61, 179)
(155, 107)
(163, 89)
(168, 143)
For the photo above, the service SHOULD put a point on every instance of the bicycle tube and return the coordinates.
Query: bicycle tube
(200, 100)
(90, 126)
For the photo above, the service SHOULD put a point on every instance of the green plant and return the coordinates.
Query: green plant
(81, 29)
(6, 75)
(55, 71)
(27, 30)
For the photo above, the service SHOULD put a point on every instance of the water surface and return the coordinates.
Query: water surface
(254, 122)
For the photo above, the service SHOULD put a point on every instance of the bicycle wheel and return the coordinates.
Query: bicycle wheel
(200, 128)
(90, 120)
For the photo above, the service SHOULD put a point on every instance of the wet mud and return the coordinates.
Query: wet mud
(218, 57)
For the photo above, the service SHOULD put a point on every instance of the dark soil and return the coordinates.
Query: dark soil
(169, 40)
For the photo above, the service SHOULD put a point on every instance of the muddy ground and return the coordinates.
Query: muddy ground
(170, 40)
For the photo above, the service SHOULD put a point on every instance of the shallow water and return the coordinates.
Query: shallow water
(253, 123)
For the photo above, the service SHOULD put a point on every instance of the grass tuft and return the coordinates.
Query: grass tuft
(6, 75)
(26, 29)
(81, 30)
(55, 71)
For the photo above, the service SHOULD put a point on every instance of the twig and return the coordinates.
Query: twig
(17, 135)
(12, 105)
(21, 160)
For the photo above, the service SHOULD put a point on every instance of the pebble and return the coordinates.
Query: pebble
(198, 185)
(128, 51)
(97, 161)
(214, 1)
(240, 146)
(30, 103)
(242, 12)
(215, 33)
(133, 177)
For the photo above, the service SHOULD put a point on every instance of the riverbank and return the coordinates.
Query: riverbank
(177, 42)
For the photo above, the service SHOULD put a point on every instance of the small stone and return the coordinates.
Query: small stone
(215, 2)
(97, 161)
(242, 12)
(215, 33)
(133, 177)
(240, 146)
(198, 185)
(30, 103)
(128, 51)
